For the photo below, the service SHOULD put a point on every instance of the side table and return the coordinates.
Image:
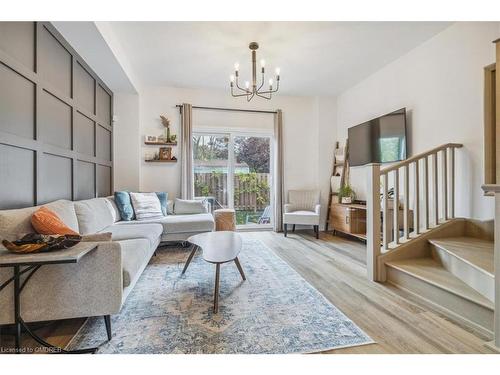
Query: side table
(31, 263)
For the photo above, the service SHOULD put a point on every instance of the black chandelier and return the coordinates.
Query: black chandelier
(250, 92)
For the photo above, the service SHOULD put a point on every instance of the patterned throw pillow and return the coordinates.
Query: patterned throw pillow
(163, 197)
(146, 206)
(46, 221)
(122, 200)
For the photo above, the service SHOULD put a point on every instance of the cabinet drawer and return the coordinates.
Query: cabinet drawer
(347, 219)
(339, 217)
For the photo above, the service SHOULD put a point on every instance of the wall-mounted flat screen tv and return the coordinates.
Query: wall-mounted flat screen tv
(381, 140)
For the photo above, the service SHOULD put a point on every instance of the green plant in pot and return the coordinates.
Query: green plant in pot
(347, 194)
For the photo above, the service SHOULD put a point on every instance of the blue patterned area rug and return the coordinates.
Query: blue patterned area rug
(274, 311)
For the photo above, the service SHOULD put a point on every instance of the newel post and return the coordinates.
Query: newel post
(372, 220)
(496, 190)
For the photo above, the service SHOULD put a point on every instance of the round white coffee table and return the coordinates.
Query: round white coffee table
(218, 248)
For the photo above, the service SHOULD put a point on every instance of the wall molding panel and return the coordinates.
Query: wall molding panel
(56, 131)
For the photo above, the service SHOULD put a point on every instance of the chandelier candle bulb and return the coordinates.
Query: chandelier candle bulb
(262, 63)
(231, 78)
(236, 67)
(247, 84)
(278, 71)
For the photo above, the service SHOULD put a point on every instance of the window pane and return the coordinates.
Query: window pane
(252, 180)
(210, 164)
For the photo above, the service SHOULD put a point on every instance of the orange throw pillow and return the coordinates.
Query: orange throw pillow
(46, 221)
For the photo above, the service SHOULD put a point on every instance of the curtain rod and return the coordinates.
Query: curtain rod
(229, 109)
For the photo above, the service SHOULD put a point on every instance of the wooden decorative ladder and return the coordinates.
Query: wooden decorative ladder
(340, 170)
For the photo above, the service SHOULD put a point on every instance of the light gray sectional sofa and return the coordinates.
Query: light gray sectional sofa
(99, 284)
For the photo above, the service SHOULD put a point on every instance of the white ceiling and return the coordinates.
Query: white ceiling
(316, 58)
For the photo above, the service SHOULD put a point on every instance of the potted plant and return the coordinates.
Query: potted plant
(347, 194)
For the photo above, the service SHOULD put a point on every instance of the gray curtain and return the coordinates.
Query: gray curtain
(187, 185)
(279, 188)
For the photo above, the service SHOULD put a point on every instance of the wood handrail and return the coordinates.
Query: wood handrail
(420, 156)
(491, 188)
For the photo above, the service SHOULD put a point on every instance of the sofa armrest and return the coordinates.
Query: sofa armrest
(317, 209)
(207, 206)
(287, 207)
(91, 287)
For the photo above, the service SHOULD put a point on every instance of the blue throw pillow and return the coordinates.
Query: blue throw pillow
(163, 197)
(122, 200)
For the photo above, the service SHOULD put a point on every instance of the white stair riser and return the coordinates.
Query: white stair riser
(469, 274)
(452, 305)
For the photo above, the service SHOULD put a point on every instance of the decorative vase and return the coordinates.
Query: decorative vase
(167, 133)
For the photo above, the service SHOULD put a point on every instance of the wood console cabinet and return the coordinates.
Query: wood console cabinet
(349, 219)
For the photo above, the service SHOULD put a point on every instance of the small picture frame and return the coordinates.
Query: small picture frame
(151, 138)
(165, 153)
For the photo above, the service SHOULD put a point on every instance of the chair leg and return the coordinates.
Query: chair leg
(107, 321)
(293, 228)
(285, 229)
(316, 230)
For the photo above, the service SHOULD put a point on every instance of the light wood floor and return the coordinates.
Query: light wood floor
(336, 267)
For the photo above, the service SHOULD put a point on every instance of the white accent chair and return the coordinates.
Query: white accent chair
(303, 208)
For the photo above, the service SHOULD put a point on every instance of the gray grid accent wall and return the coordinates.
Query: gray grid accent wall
(56, 134)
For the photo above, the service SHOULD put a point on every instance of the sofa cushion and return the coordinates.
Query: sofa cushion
(146, 206)
(301, 217)
(170, 207)
(188, 223)
(93, 215)
(150, 231)
(114, 209)
(124, 204)
(135, 252)
(66, 211)
(179, 223)
(189, 206)
(16, 223)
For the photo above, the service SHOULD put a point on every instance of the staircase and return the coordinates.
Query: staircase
(454, 274)
(424, 250)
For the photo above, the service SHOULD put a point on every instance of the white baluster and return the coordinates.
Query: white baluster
(385, 212)
(396, 206)
(435, 188)
(416, 208)
(426, 194)
(452, 181)
(406, 202)
(444, 161)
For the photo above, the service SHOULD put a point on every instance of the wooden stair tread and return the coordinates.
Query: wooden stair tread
(474, 251)
(431, 271)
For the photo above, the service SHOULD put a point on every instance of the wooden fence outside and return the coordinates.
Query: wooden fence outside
(251, 191)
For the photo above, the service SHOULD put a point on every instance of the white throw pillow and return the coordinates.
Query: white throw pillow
(189, 206)
(146, 206)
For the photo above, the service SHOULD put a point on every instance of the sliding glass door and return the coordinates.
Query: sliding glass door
(211, 168)
(252, 180)
(234, 170)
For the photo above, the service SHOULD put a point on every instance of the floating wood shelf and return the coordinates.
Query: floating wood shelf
(161, 161)
(161, 143)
